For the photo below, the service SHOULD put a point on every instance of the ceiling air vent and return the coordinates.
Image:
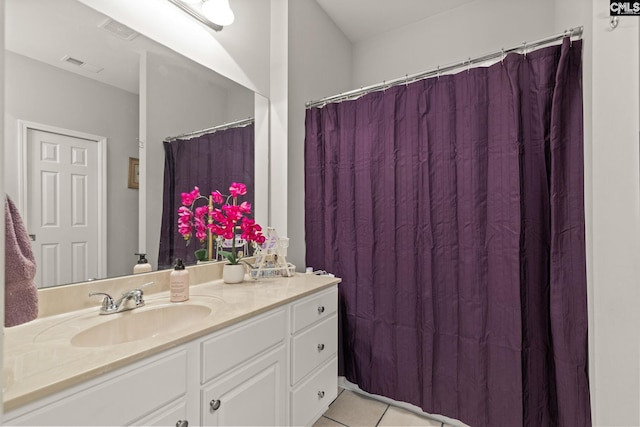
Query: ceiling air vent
(119, 30)
(79, 63)
(73, 61)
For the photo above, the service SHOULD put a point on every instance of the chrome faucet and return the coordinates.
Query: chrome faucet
(128, 301)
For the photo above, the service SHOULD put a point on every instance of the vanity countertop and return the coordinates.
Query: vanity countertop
(39, 358)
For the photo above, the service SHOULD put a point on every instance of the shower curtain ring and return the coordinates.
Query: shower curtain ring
(438, 72)
(469, 64)
(524, 48)
(406, 80)
(570, 36)
(502, 55)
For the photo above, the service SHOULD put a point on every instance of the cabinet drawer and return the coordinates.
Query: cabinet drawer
(315, 308)
(232, 348)
(119, 400)
(314, 395)
(313, 347)
(167, 416)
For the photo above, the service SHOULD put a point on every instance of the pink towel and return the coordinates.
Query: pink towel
(20, 292)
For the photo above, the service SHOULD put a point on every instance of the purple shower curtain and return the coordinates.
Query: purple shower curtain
(211, 162)
(452, 208)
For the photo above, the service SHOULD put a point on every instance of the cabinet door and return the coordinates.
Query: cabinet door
(251, 395)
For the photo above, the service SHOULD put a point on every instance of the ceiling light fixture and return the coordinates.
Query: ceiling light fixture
(213, 13)
(218, 11)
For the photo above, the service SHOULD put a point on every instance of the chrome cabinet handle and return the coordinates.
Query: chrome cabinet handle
(321, 309)
(320, 394)
(320, 347)
(214, 404)
(182, 423)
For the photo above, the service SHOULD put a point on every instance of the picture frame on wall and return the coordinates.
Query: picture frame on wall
(134, 173)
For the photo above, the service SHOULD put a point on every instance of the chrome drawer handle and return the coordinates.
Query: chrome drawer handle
(320, 347)
(320, 394)
(321, 309)
(182, 423)
(214, 404)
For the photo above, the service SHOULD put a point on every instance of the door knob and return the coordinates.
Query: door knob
(182, 423)
(214, 404)
(320, 394)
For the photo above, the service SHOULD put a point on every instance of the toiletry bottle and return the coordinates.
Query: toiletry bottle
(142, 266)
(179, 283)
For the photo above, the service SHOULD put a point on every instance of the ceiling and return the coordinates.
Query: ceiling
(362, 19)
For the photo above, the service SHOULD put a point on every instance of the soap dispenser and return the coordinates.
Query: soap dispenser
(143, 265)
(179, 283)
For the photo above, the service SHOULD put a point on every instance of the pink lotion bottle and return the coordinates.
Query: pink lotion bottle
(179, 282)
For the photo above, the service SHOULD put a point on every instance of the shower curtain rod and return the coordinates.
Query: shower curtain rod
(225, 126)
(572, 32)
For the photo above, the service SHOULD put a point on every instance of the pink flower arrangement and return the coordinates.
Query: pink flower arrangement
(226, 220)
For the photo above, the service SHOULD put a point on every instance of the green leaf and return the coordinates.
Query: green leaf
(230, 257)
(247, 262)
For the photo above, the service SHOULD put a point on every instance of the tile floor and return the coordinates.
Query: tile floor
(355, 410)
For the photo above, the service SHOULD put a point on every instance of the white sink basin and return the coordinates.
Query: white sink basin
(141, 323)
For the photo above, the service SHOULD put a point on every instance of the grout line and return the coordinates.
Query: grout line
(383, 414)
(335, 421)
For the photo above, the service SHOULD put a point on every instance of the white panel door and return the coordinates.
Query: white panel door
(63, 184)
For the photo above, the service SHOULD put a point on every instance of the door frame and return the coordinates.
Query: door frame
(23, 204)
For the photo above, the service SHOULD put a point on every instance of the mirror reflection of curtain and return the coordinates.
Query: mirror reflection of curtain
(211, 162)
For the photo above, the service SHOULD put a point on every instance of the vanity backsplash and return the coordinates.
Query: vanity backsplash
(63, 299)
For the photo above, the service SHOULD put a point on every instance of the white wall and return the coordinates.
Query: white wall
(471, 30)
(40, 93)
(319, 65)
(178, 102)
(615, 224)
(278, 115)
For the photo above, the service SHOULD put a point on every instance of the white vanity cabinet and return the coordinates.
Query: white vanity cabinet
(275, 368)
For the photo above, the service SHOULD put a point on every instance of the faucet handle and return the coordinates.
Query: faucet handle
(137, 295)
(108, 304)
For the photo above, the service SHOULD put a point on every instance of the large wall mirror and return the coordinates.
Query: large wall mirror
(86, 90)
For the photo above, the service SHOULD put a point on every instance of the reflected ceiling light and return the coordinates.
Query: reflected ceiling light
(213, 13)
(218, 12)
